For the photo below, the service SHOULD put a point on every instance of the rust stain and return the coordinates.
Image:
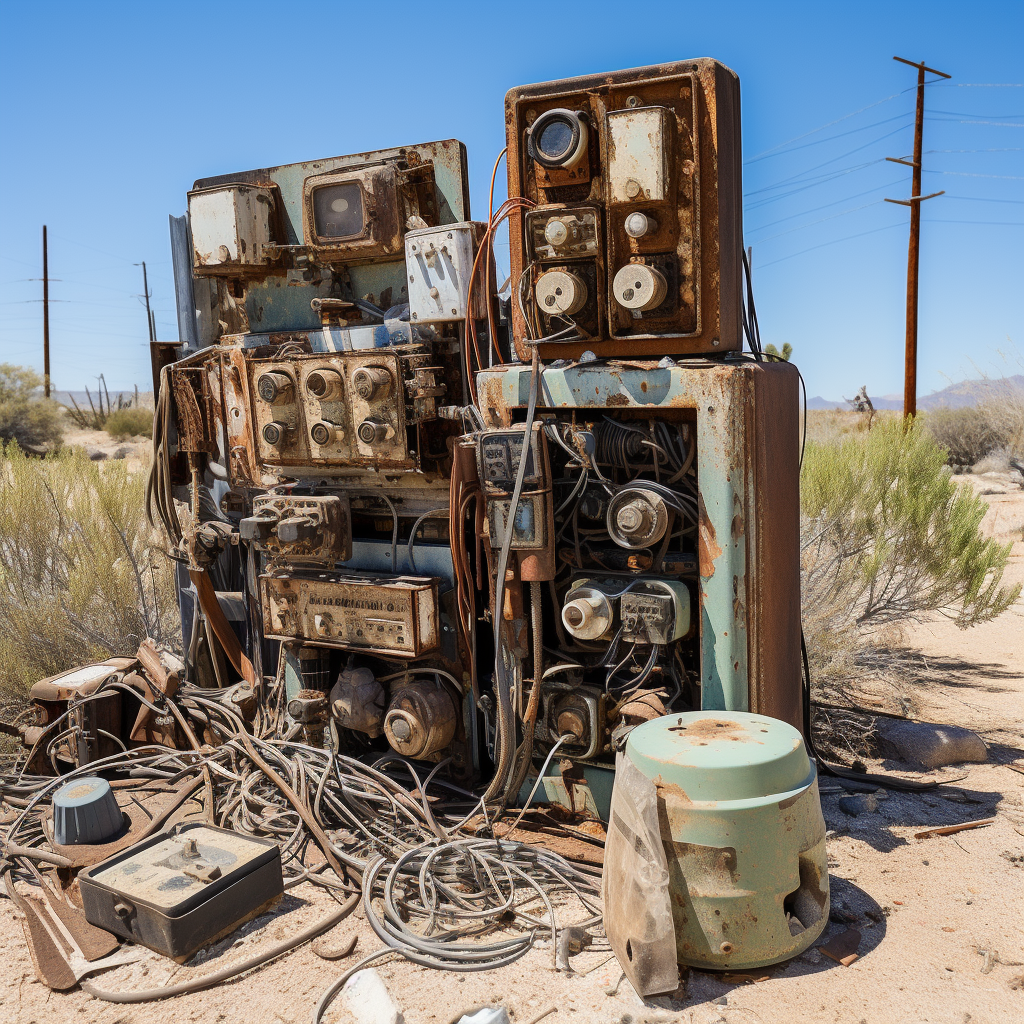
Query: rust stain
(712, 728)
(707, 541)
(617, 400)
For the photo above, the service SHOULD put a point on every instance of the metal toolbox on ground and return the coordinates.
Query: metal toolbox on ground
(181, 889)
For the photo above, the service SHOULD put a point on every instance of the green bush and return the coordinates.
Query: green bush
(81, 576)
(123, 424)
(25, 416)
(888, 536)
(968, 434)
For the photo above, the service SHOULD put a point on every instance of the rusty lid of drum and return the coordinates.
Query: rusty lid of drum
(722, 755)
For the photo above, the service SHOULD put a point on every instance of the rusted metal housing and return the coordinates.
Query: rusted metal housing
(657, 187)
(748, 448)
(397, 617)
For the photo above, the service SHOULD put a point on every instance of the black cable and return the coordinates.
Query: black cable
(749, 314)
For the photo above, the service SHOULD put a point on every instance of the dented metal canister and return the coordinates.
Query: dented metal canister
(742, 835)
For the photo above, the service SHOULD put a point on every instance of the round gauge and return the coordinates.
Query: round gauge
(560, 293)
(638, 286)
(558, 138)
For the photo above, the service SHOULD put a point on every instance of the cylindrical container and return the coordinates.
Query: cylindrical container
(742, 832)
(421, 720)
(85, 812)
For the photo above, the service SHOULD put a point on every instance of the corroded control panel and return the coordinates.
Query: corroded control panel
(632, 240)
(396, 616)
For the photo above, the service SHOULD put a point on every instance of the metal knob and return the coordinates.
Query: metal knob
(560, 292)
(324, 432)
(372, 431)
(274, 433)
(637, 286)
(640, 224)
(372, 383)
(325, 385)
(275, 387)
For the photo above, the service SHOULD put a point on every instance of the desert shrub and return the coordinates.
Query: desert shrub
(887, 536)
(81, 578)
(122, 424)
(25, 416)
(968, 434)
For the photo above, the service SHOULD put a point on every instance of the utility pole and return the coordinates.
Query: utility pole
(914, 249)
(149, 314)
(46, 320)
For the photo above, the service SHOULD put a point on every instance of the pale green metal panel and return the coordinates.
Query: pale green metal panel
(720, 394)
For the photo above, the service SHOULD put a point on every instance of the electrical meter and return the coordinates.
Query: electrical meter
(635, 177)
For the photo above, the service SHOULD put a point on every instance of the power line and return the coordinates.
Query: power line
(984, 199)
(821, 220)
(824, 206)
(830, 138)
(835, 241)
(973, 174)
(845, 117)
(817, 167)
(994, 124)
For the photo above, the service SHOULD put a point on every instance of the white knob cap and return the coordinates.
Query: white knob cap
(639, 224)
(556, 232)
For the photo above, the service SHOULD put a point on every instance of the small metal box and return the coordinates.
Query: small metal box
(179, 890)
(439, 262)
(230, 227)
(392, 615)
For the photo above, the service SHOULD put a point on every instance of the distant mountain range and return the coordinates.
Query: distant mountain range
(967, 392)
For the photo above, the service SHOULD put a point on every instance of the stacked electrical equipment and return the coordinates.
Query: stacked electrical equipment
(417, 518)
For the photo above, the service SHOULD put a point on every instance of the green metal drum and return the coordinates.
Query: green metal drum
(743, 835)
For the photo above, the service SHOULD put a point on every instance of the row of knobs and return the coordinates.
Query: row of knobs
(370, 383)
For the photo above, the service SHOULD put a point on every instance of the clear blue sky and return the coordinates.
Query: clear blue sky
(108, 113)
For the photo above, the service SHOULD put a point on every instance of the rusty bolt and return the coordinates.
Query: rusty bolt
(633, 101)
(633, 188)
(726, 948)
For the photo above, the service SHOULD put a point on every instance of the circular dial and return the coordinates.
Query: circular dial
(326, 385)
(560, 292)
(274, 433)
(558, 138)
(274, 387)
(638, 286)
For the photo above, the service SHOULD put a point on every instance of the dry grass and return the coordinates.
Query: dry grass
(82, 576)
(123, 424)
(827, 426)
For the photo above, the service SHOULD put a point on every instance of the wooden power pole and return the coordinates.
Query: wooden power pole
(46, 320)
(149, 315)
(914, 250)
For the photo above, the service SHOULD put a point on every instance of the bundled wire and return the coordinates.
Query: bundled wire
(159, 500)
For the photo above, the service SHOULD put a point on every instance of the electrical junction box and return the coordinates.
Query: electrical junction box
(396, 616)
(230, 227)
(440, 264)
(179, 890)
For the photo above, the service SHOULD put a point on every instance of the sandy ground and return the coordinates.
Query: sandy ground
(134, 448)
(941, 921)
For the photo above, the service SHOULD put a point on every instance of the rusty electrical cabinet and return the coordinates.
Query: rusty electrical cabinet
(636, 236)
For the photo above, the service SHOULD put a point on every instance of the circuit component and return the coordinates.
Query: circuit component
(655, 611)
(397, 615)
(313, 530)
